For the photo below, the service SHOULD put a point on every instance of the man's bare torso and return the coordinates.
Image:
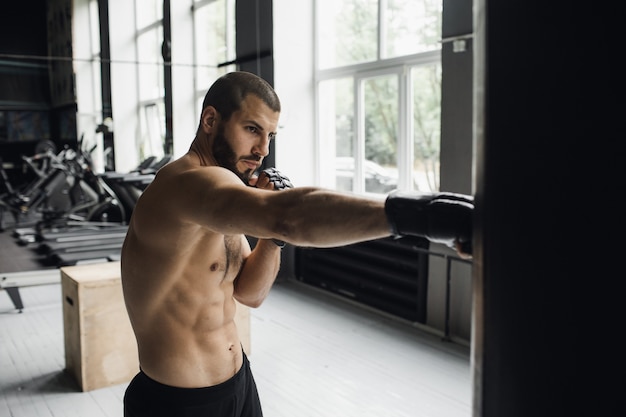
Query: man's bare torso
(178, 280)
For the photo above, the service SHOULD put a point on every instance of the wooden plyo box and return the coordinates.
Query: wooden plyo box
(100, 346)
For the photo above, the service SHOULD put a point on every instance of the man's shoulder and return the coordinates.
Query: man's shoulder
(182, 168)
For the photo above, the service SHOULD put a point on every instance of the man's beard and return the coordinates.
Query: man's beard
(226, 157)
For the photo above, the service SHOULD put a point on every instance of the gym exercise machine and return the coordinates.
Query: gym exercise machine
(13, 281)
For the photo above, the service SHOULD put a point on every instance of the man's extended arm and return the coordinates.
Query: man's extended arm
(317, 217)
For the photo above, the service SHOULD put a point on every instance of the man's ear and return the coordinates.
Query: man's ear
(209, 119)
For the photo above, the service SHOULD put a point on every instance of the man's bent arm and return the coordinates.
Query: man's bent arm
(258, 274)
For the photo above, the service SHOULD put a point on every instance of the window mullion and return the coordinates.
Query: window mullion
(358, 185)
(405, 144)
(382, 30)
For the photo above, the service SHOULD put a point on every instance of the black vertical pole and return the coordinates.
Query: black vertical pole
(166, 51)
(255, 45)
(105, 70)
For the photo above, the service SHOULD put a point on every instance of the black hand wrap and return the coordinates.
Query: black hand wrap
(279, 180)
(280, 183)
(439, 217)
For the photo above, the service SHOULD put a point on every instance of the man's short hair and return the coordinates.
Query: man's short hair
(228, 91)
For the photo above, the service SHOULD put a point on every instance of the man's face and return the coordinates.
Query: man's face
(241, 143)
(226, 157)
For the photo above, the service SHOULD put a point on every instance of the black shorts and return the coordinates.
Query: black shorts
(236, 397)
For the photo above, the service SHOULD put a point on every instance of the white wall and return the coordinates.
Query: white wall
(293, 81)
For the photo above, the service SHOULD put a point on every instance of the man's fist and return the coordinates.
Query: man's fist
(277, 178)
(439, 217)
(270, 178)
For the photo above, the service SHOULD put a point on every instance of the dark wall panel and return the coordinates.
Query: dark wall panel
(390, 275)
(456, 98)
(24, 83)
(23, 28)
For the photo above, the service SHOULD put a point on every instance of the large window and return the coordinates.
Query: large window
(214, 36)
(150, 78)
(379, 86)
(213, 47)
(87, 78)
(145, 85)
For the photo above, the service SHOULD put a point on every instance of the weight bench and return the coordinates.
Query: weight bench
(12, 281)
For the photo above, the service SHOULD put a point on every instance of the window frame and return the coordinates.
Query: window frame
(358, 72)
(144, 141)
(400, 65)
(220, 67)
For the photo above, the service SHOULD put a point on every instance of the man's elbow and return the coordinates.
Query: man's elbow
(249, 300)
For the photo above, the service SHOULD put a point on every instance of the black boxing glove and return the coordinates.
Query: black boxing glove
(439, 217)
(280, 182)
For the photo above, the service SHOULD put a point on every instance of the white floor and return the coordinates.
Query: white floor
(312, 356)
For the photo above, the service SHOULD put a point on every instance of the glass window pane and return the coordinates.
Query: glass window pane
(426, 82)
(214, 35)
(148, 12)
(347, 32)
(94, 26)
(150, 67)
(411, 27)
(152, 119)
(336, 107)
(380, 168)
(231, 30)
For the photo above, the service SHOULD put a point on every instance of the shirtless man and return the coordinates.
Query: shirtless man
(186, 259)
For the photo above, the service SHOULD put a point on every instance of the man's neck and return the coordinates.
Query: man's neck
(202, 154)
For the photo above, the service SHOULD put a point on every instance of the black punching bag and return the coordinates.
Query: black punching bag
(550, 182)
